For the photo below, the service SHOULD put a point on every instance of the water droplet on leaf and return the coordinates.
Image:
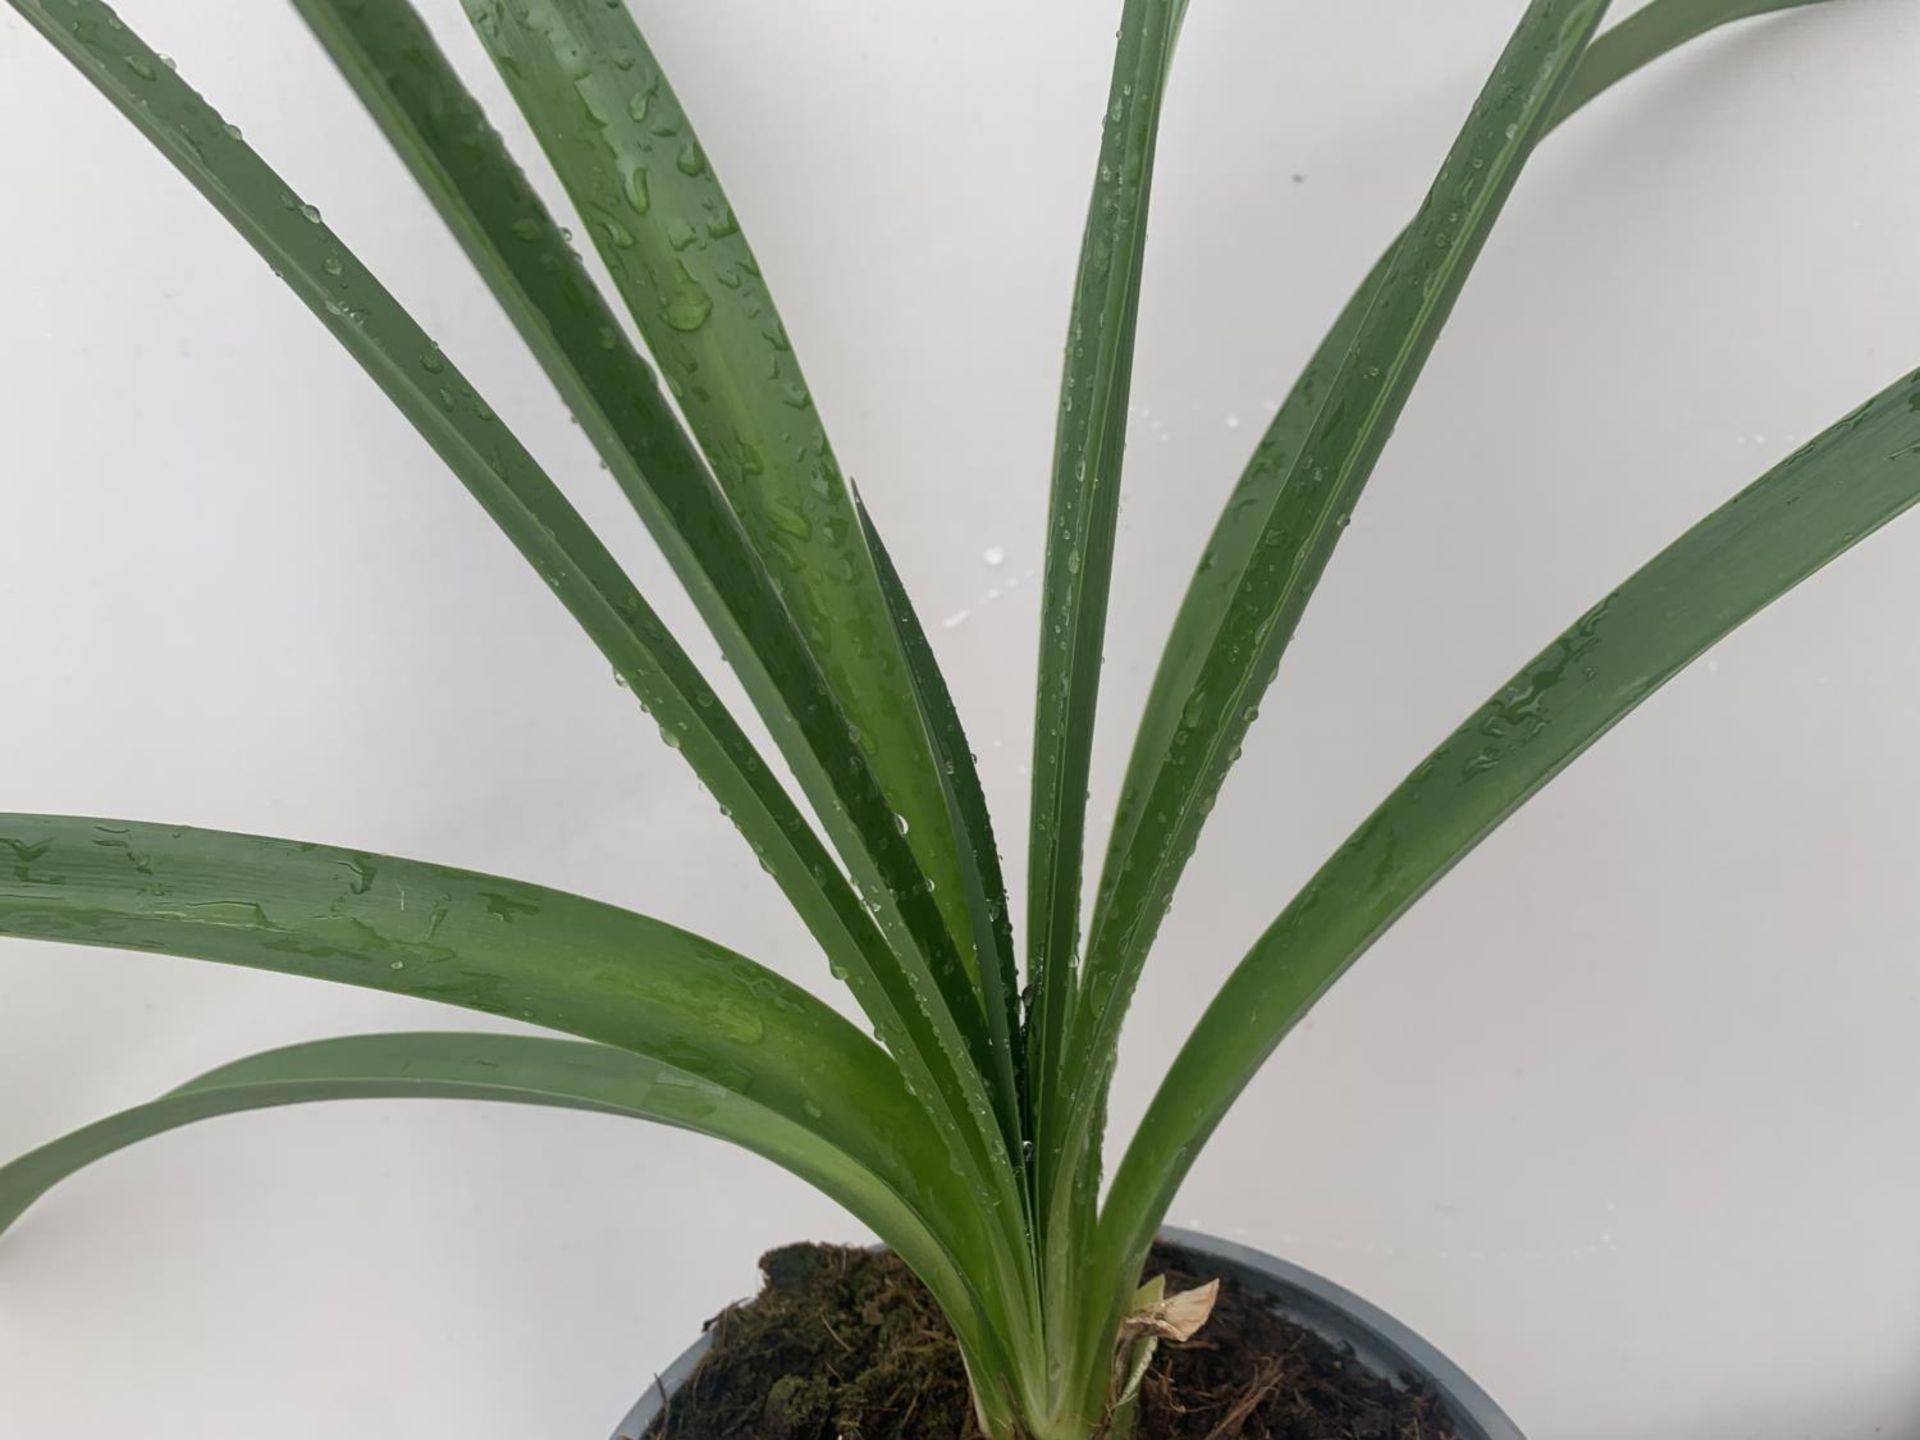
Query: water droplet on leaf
(638, 196)
(688, 307)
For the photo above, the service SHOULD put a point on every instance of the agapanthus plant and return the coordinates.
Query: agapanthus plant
(968, 1130)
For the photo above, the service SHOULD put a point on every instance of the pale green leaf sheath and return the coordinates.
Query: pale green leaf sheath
(619, 139)
(1310, 505)
(1812, 507)
(1082, 513)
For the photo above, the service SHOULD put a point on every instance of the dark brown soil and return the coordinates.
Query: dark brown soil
(846, 1345)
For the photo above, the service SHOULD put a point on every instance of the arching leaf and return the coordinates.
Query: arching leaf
(1083, 510)
(1812, 507)
(1288, 529)
(602, 106)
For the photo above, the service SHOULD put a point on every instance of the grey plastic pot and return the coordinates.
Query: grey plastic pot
(1380, 1344)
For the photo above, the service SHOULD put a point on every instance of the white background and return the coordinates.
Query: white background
(1626, 1117)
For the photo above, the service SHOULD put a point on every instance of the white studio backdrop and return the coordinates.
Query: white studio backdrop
(1626, 1117)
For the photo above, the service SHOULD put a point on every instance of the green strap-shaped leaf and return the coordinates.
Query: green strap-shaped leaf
(513, 1069)
(979, 854)
(499, 946)
(1647, 34)
(1619, 52)
(1637, 41)
(1082, 512)
(476, 941)
(1813, 506)
(430, 391)
(1310, 502)
(517, 1069)
(602, 108)
(389, 56)
(531, 511)
(624, 148)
